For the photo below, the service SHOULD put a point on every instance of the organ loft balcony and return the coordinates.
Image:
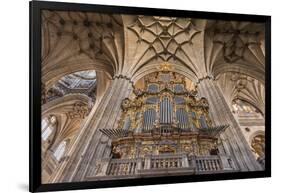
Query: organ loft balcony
(164, 129)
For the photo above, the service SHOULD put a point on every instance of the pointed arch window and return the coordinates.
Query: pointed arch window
(48, 125)
(240, 106)
(47, 132)
(60, 150)
(82, 79)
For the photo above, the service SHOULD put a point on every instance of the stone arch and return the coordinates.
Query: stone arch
(240, 53)
(64, 110)
(55, 74)
(62, 106)
(249, 102)
(92, 47)
(243, 87)
(155, 68)
(253, 72)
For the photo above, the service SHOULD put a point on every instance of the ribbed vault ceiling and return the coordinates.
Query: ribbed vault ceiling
(234, 47)
(75, 41)
(163, 39)
(239, 86)
(134, 46)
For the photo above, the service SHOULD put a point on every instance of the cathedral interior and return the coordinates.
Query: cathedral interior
(130, 96)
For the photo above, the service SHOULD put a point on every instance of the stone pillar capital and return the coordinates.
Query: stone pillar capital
(203, 78)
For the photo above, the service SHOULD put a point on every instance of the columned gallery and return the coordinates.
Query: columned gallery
(131, 96)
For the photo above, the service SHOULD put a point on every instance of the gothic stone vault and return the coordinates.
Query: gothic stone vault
(127, 96)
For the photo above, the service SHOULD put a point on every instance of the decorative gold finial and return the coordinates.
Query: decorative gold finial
(165, 67)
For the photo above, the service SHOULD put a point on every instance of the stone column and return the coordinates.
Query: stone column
(147, 162)
(90, 141)
(185, 161)
(232, 139)
(225, 163)
(139, 165)
(104, 163)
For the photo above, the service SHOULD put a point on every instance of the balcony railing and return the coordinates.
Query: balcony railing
(170, 163)
(122, 167)
(174, 162)
(208, 163)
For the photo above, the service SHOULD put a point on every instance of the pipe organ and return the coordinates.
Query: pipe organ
(149, 119)
(182, 118)
(166, 111)
(164, 118)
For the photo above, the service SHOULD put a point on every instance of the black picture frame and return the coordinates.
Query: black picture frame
(35, 184)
